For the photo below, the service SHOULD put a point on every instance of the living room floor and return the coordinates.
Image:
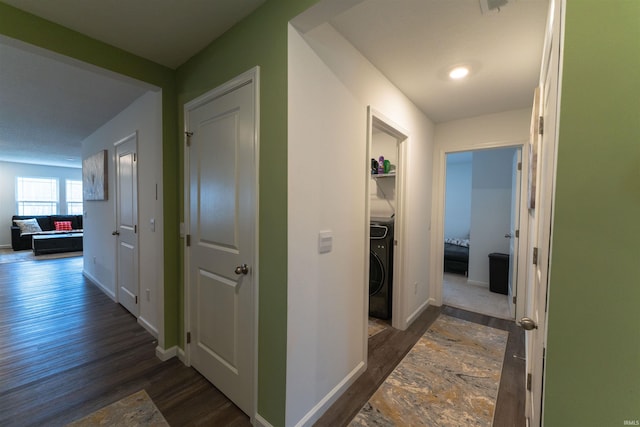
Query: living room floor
(8, 255)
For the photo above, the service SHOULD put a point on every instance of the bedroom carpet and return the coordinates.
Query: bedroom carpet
(477, 298)
(449, 378)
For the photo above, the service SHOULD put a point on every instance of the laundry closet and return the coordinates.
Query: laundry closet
(383, 207)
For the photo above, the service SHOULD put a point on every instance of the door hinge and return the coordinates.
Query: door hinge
(135, 157)
(135, 228)
(517, 233)
(188, 236)
(188, 135)
(535, 256)
(519, 166)
(136, 299)
(514, 299)
(528, 382)
(188, 337)
(541, 125)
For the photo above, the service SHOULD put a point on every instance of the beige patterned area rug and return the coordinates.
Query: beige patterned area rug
(135, 410)
(449, 378)
(376, 326)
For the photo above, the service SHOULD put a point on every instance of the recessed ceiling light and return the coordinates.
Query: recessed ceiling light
(459, 73)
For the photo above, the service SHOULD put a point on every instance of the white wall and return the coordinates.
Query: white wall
(458, 197)
(330, 87)
(9, 171)
(490, 209)
(144, 116)
(509, 128)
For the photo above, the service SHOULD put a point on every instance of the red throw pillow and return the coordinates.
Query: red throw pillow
(62, 225)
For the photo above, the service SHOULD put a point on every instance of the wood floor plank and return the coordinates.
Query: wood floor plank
(67, 350)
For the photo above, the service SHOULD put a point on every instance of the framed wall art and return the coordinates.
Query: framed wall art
(94, 177)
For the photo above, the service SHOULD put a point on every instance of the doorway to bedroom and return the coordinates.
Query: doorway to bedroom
(480, 223)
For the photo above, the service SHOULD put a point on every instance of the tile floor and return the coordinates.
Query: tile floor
(477, 298)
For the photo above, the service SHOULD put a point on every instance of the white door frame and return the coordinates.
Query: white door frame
(437, 235)
(250, 76)
(133, 136)
(399, 306)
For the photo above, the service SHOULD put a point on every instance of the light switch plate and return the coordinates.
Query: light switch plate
(325, 241)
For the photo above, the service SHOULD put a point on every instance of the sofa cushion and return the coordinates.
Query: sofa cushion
(62, 225)
(43, 220)
(28, 225)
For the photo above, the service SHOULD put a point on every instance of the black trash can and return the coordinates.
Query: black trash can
(499, 273)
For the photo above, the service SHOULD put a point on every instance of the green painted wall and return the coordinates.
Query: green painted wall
(593, 349)
(23, 26)
(260, 39)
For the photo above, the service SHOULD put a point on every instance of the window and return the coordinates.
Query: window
(74, 197)
(37, 196)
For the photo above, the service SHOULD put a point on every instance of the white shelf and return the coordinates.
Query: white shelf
(382, 175)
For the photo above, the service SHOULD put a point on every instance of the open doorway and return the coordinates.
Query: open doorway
(480, 227)
(385, 151)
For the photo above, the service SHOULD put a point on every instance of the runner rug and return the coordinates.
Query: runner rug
(135, 410)
(449, 378)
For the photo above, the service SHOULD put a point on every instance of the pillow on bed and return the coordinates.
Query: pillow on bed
(28, 225)
(458, 242)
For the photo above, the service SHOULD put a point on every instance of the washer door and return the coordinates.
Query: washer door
(376, 273)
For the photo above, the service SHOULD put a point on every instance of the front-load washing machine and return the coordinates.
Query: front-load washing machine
(381, 268)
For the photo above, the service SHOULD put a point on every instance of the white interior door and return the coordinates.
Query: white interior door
(127, 223)
(540, 218)
(222, 218)
(513, 235)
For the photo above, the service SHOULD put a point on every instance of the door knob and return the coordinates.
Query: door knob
(508, 236)
(242, 269)
(115, 233)
(527, 324)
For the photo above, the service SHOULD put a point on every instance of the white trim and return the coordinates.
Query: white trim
(419, 311)
(97, 283)
(258, 421)
(316, 412)
(5, 246)
(439, 186)
(166, 354)
(148, 326)
(181, 356)
(251, 76)
(399, 307)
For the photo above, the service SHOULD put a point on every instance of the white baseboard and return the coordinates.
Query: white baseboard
(316, 412)
(5, 246)
(413, 316)
(258, 421)
(166, 354)
(148, 326)
(96, 282)
(182, 356)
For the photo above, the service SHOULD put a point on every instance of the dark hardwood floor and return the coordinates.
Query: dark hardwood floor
(67, 350)
(388, 348)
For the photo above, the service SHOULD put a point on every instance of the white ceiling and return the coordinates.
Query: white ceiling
(48, 107)
(414, 43)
